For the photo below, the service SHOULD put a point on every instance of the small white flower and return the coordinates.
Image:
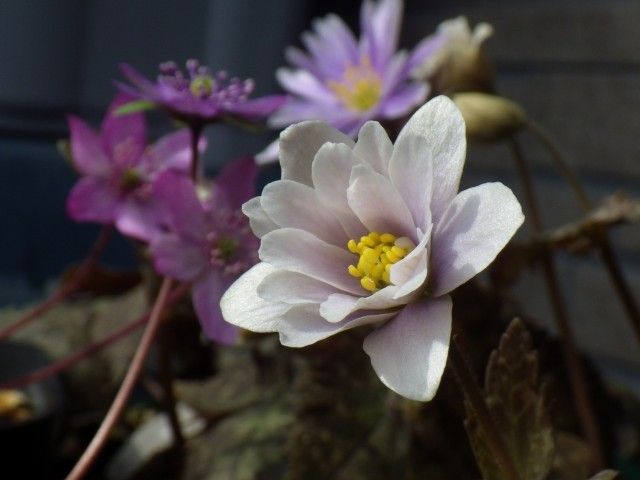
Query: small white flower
(455, 39)
(372, 233)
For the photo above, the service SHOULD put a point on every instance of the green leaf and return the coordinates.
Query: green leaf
(135, 107)
(519, 407)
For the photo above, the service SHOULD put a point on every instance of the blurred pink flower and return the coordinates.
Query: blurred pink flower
(208, 241)
(117, 169)
(200, 96)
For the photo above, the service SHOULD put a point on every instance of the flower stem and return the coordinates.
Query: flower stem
(166, 381)
(577, 378)
(474, 397)
(66, 289)
(602, 241)
(196, 133)
(73, 359)
(119, 403)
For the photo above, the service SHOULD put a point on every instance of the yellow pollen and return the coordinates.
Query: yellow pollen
(360, 87)
(376, 253)
(202, 85)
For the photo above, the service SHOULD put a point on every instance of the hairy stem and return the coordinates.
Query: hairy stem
(607, 254)
(577, 378)
(93, 348)
(119, 403)
(64, 290)
(475, 399)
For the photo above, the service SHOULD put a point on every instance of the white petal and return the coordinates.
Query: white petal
(378, 204)
(417, 278)
(440, 123)
(299, 144)
(409, 352)
(410, 170)
(338, 306)
(241, 305)
(304, 84)
(374, 147)
(303, 325)
(404, 269)
(476, 226)
(330, 173)
(259, 221)
(292, 204)
(294, 288)
(299, 251)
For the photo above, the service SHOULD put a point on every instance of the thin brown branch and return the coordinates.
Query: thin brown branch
(575, 369)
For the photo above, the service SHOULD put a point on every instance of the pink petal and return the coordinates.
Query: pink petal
(172, 151)
(235, 184)
(86, 149)
(123, 136)
(473, 230)
(176, 194)
(138, 219)
(257, 108)
(92, 200)
(177, 258)
(206, 296)
(409, 352)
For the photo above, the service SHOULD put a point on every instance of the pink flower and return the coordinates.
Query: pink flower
(118, 168)
(209, 242)
(200, 95)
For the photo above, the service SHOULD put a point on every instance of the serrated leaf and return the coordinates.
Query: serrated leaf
(135, 107)
(605, 475)
(519, 407)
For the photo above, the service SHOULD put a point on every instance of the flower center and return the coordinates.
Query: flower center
(225, 248)
(377, 252)
(130, 179)
(202, 85)
(360, 88)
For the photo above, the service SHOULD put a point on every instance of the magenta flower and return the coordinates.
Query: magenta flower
(199, 96)
(208, 242)
(117, 169)
(346, 82)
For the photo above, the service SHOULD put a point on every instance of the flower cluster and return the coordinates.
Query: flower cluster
(357, 232)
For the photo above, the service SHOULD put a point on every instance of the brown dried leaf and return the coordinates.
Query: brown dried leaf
(518, 405)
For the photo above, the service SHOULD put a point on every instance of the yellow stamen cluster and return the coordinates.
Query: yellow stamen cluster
(360, 88)
(377, 252)
(202, 85)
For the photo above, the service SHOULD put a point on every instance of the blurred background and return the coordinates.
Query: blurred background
(574, 65)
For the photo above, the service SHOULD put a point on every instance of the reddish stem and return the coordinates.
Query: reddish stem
(89, 350)
(66, 289)
(131, 378)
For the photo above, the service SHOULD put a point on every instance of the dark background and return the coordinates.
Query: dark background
(573, 65)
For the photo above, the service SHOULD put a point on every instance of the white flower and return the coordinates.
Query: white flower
(372, 233)
(457, 52)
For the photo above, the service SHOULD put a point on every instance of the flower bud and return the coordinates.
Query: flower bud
(489, 118)
(459, 64)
